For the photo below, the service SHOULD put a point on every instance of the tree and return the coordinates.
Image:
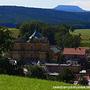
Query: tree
(38, 72)
(59, 34)
(66, 75)
(6, 41)
(76, 41)
(65, 39)
(47, 30)
(30, 27)
(6, 67)
(63, 29)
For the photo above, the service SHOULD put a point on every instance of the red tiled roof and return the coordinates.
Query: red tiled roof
(74, 51)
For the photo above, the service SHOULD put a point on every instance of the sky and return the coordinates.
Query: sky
(85, 4)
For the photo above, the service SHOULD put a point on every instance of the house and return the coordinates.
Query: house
(35, 48)
(53, 69)
(75, 55)
(55, 53)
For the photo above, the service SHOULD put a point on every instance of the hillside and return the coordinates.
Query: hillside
(69, 8)
(21, 83)
(14, 32)
(12, 15)
(85, 36)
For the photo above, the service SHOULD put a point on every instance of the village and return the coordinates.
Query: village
(44, 45)
(37, 51)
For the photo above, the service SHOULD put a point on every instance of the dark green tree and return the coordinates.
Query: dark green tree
(66, 75)
(76, 41)
(64, 29)
(47, 30)
(30, 27)
(38, 72)
(65, 39)
(6, 41)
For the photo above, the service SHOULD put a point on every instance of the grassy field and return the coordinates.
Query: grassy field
(15, 32)
(85, 35)
(21, 83)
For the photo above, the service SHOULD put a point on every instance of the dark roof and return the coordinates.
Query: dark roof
(36, 36)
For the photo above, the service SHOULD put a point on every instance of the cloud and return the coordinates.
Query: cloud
(13, 2)
(85, 4)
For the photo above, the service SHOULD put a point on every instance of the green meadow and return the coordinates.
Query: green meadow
(22, 83)
(15, 32)
(85, 36)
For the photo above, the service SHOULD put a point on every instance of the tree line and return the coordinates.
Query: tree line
(57, 34)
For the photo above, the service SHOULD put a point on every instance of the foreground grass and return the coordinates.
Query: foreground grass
(21, 83)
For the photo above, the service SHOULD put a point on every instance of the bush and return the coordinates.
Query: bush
(5, 67)
(66, 76)
(52, 78)
(38, 72)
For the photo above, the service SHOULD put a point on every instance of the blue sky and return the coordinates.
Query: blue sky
(85, 4)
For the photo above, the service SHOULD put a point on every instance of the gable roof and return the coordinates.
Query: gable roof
(55, 49)
(36, 35)
(74, 51)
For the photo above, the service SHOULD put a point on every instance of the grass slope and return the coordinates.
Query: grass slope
(85, 35)
(21, 83)
(15, 32)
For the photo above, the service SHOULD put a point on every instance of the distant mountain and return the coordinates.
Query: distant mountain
(69, 8)
(12, 15)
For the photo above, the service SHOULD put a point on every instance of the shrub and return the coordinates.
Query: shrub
(66, 76)
(5, 67)
(38, 72)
